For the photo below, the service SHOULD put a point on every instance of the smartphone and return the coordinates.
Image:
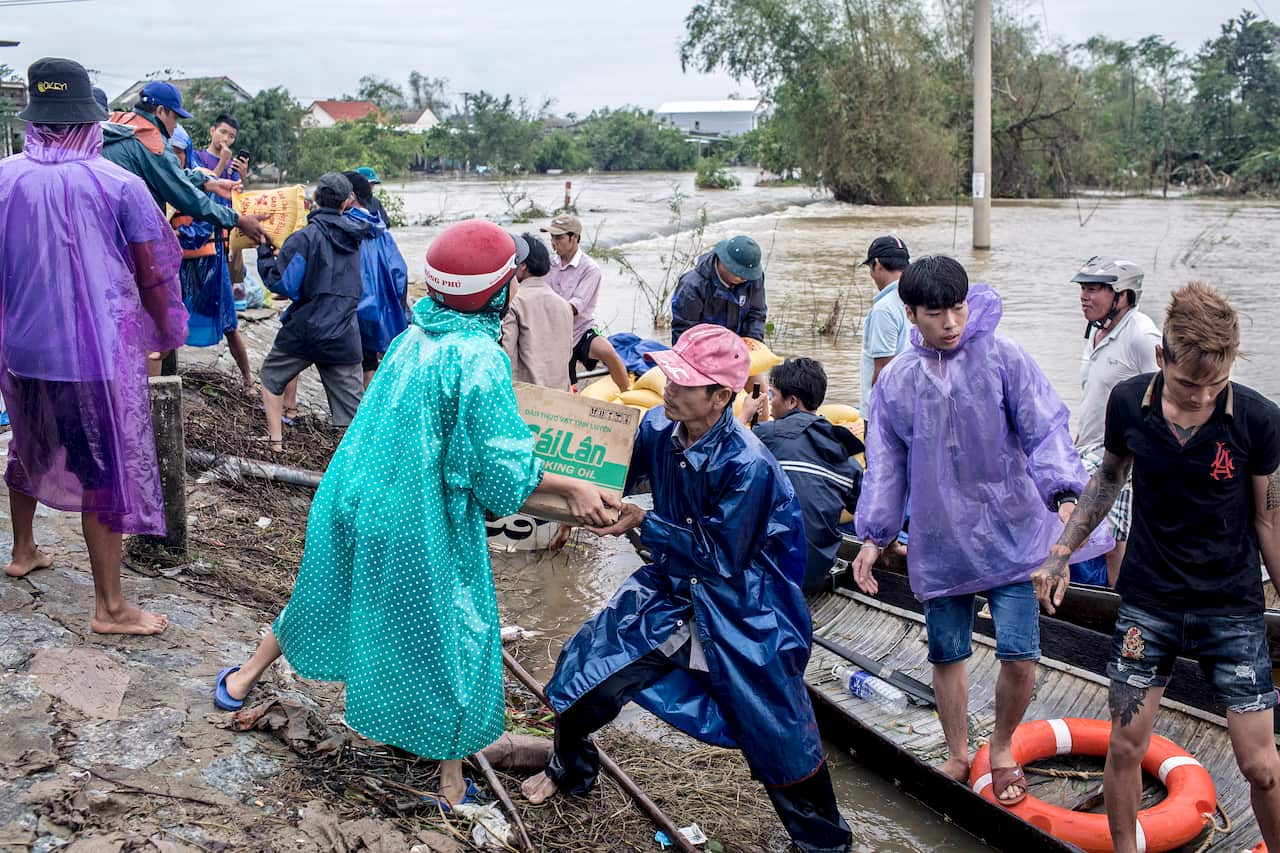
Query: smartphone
(755, 395)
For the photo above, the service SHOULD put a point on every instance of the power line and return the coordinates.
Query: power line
(8, 4)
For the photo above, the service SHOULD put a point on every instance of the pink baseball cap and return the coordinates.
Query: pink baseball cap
(705, 355)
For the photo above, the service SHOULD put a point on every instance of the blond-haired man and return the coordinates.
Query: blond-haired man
(1205, 454)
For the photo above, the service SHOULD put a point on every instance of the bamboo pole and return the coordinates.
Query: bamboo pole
(503, 797)
(607, 764)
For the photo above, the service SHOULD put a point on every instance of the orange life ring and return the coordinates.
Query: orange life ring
(1170, 823)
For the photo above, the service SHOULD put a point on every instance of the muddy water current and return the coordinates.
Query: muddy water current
(813, 246)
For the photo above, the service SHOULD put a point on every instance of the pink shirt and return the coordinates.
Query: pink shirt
(578, 283)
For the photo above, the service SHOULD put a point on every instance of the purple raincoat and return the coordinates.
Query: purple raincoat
(981, 440)
(88, 286)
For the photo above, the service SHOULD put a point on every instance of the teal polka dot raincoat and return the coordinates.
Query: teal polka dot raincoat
(395, 595)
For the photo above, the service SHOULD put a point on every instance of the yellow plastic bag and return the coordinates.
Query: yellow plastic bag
(282, 212)
(640, 397)
(603, 388)
(839, 413)
(654, 380)
(762, 358)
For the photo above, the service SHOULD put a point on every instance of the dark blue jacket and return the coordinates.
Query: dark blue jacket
(818, 458)
(701, 297)
(727, 540)
(318, 268)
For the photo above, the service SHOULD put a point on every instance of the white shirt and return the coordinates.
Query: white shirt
(1128, 349)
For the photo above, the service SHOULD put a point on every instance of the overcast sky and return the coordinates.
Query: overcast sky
(583, 55)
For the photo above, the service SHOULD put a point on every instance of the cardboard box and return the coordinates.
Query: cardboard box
(576, 437)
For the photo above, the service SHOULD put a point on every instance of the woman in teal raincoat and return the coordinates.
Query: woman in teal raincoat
(395, 594)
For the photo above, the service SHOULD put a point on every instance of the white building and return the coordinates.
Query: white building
(717, 118)
(417, 121)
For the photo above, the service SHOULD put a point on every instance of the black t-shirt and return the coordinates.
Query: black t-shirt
(1192, 543)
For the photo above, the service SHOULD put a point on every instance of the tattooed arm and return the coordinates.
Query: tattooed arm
(1051, 579)
(1266, 520)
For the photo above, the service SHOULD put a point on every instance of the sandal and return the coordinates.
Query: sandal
(472, 795)
(275, 445)
(1009, 777)
(221, 698)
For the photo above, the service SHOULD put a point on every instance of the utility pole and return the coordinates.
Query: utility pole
(982, 124)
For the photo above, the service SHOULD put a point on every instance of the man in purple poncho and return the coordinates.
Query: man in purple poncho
(983, 489)
(88, 287)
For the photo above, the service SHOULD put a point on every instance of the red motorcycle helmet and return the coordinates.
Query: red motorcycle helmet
(468, 263)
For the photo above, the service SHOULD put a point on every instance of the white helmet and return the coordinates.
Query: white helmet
(1122, 275)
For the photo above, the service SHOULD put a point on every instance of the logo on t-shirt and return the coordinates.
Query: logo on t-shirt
(1224, 467)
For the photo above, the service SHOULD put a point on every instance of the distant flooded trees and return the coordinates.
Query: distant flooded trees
(873, 99)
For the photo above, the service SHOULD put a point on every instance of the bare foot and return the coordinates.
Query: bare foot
(24, 565)
(129, 620)
(538, 789)
(239, 684)
(955, 768)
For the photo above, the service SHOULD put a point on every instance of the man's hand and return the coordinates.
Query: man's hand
(750, 406)
(630, 518)
(1052, 578)
(862, 576)
(251, 228)
(590, 505)
(222, 187)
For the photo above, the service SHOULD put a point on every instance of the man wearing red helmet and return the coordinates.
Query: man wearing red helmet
(395, 594)
(728, 557)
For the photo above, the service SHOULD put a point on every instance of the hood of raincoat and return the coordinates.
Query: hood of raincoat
(985, 311)
(62, 143)
(344, 234)
(435, 319)
(981, 442)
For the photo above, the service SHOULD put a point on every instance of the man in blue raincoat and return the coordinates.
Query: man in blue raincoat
(714, 635)
(383, 311)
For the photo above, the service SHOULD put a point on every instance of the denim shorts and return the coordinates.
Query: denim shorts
(1232, 651)
(1014, 610)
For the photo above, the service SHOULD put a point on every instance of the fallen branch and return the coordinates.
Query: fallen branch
(500, 791)
(607, 764)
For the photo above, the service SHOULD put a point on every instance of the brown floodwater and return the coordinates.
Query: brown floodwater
(813, 246)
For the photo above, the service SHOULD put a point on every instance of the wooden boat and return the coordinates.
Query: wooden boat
(906, 746)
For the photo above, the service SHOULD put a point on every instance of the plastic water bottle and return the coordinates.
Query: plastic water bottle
(866, 686)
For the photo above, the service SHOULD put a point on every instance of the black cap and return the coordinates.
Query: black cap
(887, 247)
(60, 93)
(332, 189)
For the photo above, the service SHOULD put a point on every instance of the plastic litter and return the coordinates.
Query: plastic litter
(692, 833)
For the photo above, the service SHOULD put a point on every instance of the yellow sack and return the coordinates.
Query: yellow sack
(282, 212)
(839, 413)
(640, 397)
(654, 380)
(603, 388)
(762, 358)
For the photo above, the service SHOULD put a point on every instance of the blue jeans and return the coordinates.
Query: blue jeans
(1232, 652)
(1014, 610)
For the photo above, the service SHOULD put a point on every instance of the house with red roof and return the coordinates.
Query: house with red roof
(329, 113)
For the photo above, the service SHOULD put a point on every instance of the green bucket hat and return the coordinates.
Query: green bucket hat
(741, 256)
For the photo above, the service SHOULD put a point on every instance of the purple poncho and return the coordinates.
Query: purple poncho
(981, 440)
(88, 286)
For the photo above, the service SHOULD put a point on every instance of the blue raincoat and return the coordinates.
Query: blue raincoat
(728, 547)
(381, 313)
(980, 440)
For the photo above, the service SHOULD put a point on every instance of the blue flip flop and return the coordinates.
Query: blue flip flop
(471, 796)
(221, 698)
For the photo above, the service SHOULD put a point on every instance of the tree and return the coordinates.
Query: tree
(428, 93)
(630, 138)
(1164, 65)
(387, 95)
(560, 150)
